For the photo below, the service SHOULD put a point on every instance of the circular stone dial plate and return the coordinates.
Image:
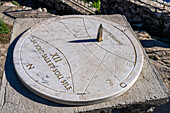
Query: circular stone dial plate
(60, 60)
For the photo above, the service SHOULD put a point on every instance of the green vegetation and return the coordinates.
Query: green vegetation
(95, 3)
(5, 33)
(3, 28)
(15, 3)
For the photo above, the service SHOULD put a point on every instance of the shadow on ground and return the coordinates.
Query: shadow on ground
(163, 108)
(154, 43)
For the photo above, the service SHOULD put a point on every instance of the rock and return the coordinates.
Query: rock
(157, 14)
(139, 10)
(133, 11)
(137, 19)
(39, 9)
(44, 10)
(28, 8)
(90, 3)
(167, 25)
(9, 4)
(146, 16)
(120, 9)
(152, 9)
(166, 61)
(148, 21)
(23, 7)
(156, 22)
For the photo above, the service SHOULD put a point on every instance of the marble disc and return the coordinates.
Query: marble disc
(60, 60)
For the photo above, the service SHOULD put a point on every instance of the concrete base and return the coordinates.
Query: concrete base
(148, 90)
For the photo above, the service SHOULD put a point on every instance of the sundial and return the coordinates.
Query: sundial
(78, 60)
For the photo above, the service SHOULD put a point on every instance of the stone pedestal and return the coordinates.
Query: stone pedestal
(148, 90)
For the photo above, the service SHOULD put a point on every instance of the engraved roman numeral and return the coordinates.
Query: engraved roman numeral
(56, 57)
(30, 66)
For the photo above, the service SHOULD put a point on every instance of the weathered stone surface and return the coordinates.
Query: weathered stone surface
(81, 70)
(8, 13)
(5, 18)
(148, 90)
(159, 53)
(3, 53)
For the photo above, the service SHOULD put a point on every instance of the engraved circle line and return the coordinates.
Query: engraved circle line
(30, 76)
(108, 51)
(90, 51)
(65, 58)
(118, 45)
(79, 17)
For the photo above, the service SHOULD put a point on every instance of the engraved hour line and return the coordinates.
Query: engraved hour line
(102, 63)
(105, 50)
(95, 72)
(115, 68)
(81, 54)
(85, 46)
(93, 54)
(56, 58)
(96, 44)
(102, 47)
(129, 40)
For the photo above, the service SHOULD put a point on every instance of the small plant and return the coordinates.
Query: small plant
(3, 28)
(96, 4)
(15, 3)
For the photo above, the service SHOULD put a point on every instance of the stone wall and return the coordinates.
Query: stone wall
(67, 6)
(58, 5)
(151, 16)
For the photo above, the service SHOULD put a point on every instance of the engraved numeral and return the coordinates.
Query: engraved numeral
(82, 97)
(109, 81)
(56, 57)
(30, 66)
